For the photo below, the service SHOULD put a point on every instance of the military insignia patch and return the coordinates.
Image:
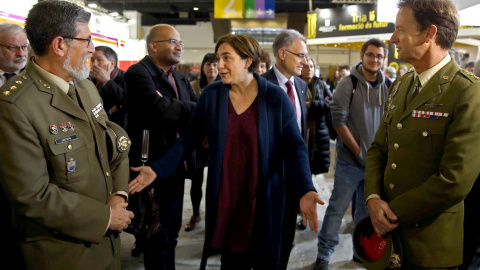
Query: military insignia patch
(53, 129)
(70, 126)
(97, 109)
(123, 143)
(433, 105)
(71, 165)
(428, 115)
(63, 127)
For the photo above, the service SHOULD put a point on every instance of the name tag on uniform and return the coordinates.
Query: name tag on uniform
(428, 115)
(66, 139)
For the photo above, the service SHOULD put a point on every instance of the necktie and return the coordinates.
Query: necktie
(72, 93)
(8, 75)
(414, 91)
(290, 94)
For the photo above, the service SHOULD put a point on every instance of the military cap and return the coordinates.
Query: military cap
(377, 252)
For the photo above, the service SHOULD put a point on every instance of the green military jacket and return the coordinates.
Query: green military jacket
(58, 168)
(424, 161)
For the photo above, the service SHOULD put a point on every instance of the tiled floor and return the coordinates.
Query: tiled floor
(303, 256)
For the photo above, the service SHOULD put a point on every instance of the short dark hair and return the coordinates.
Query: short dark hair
(375, 42)
(441, 13)
(49, 19)
(265, 58)
(209, 57)
(470, 64)
(245, 46)
(346, 67)
(109, 53)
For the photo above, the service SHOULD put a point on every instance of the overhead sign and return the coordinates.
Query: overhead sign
(259, 9)
(347, 21)
(248, 9)
(228, 9)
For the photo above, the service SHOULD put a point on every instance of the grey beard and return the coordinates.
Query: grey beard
(78, 74)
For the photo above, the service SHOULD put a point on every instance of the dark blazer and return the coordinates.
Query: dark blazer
(113, 94)
(424, 167)
(161, 113)
(301, 88)
(282, 157)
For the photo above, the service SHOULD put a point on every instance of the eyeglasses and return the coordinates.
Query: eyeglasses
(373, 56)
(84, 39)
(14, 49)
(172, 41)
(299, 55)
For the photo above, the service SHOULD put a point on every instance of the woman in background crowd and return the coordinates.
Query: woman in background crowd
(255, 147)
(208, 74)
(318, 105)
(265, 62)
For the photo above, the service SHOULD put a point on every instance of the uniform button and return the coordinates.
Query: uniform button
(107, 174)
(399, 125)
(394, 166)
(391, 186)
(424, 134)
(101, 155)
(69, 147)
(396, 146)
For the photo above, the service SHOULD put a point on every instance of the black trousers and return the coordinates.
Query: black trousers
(471, 226)
(159, 253)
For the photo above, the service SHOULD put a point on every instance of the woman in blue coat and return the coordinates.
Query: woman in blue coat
(255, 147)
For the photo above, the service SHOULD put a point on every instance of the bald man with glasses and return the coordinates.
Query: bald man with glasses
(13, 50)
(160, 100)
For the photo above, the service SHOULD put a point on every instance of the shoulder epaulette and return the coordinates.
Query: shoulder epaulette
(467, 74)
(12, 89)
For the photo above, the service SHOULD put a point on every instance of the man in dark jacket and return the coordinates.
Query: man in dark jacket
(160, 100)
(108, 79)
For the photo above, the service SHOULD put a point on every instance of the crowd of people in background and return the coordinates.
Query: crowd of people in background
(70, 132)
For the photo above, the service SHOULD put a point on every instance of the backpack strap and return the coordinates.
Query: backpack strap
(354, 83)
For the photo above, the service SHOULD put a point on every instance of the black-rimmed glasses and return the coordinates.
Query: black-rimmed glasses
(172, 41)
(299, 55)
(373, 56)
(14, 49)
(84, 39)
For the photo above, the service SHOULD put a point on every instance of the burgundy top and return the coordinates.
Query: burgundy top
(238, 188)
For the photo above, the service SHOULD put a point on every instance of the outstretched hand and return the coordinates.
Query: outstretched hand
(144, 178)
(308, 206)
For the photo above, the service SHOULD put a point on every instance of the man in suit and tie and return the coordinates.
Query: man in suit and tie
(13, 51)
(63, 165)
(424, 159)
(161, 100)
(290, 51)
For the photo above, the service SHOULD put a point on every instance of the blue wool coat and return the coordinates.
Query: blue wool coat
(282, 155)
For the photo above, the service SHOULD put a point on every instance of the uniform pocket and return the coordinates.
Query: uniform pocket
(68, 158)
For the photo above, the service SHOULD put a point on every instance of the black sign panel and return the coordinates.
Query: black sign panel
(350, 21)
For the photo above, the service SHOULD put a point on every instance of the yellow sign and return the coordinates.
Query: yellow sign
(312, 25)
(229, 9)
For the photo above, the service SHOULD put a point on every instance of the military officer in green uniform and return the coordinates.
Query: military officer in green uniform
(424, 159)
(63, 165)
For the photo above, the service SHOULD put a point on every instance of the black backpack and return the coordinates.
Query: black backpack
(331, 129)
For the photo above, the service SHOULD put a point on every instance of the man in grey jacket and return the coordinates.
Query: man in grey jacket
(356, 109)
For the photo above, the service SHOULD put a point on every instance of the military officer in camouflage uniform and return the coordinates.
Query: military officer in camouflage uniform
(424, 159)
(63, 166)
